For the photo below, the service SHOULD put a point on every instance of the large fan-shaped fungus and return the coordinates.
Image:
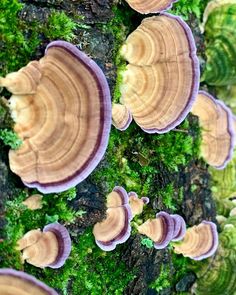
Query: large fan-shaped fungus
(216, 121)
(164, 65)
(49, 248)
(13, 282)
(199, 242)
(63, 117)
(150, 6)
(115, 229)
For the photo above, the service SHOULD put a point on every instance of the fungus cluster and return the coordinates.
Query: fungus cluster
(49, 248)
(161, 53)
(150, 6)
(115, 229)
(163, 229)
(13, 282)
(62, 110)
(199, 241)
(216, 121)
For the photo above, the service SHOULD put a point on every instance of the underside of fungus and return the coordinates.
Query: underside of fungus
(162, 61)
(49, 248)
(115, 229)
(216, 121)
(62, 110)
(13, 282)
(199, 242)
(150, 6)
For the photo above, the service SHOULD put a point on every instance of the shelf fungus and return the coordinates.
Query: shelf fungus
(219, 24)
(150, 6)
(13, 282)
(179, 227)
(216, 121)
(34, 202)
(163, 64)
(62, 110)
(115, 229)
(49, 248)
(199, 242)
(137, 204)
(160, 230)
(121, 116)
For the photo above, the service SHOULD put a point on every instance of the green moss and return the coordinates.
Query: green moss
(147, 243)
(10, 138)
(97, 272)
(163, 280)
(135, 159)
(166, 195)
(185, 7)
(59, 26)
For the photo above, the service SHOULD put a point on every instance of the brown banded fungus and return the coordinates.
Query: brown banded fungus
(199, 242)
(137, 204)
(64, 120)
(115, 229)
(216, 121)
(150, 6)
(13, 282)
(162, 61)
(160, 230)
(121, 116)
(49, 248)
(34, 202)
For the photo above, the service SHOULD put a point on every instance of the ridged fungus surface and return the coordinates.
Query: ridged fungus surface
(62, 111)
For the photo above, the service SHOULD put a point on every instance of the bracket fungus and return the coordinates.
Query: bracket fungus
(199, 242)
(13, 282)
(63, 116)
(150, 6)
(163, 63)
(34, 202)
(179, 227)
(115, 229)
(216, 121)
(121, 116)
(49, 248)
(160, 230)
(137, 204)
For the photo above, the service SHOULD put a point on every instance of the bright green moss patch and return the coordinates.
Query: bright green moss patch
(20, 39)
(135, 159)
(163, 280)
(10, 138)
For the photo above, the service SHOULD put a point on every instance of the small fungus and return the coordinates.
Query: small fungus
(34, 202)
(13, 282)
(160, 230)
(137, 204)
(179, 227)
(49, 248)
(163, 63)
(216, 121)
(63, 118)
(150, 6)
(199, 242)
(121, 116)
(115, 229)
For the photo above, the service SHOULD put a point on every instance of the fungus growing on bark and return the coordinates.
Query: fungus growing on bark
(199, 242)
(161, 53)
(137, 204)
(49, 248)
(115, 229)
(121, 116)
(34, 202)
(179, 227)
(160, 230)
(150, 6)
(13, 282)
(64, 122)
(216, 121)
